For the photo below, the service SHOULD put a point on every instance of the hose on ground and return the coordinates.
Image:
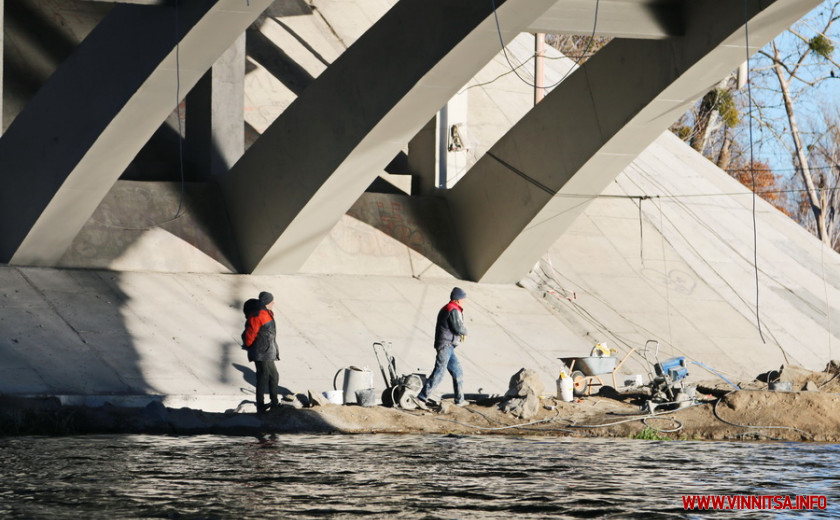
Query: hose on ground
(715, 411)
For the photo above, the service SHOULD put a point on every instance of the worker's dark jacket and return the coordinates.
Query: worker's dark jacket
(450, 326)
(260, 335)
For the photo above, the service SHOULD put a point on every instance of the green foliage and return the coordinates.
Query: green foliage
(649, 434)
(726, 107)
(681, 131)
(821, 46)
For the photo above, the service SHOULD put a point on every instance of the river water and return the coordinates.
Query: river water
(399, 476)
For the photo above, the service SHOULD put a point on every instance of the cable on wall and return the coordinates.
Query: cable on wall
(752, 170)
(571, 69)
(178, 106)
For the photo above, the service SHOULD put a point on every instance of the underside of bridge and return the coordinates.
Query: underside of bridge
(137, 116)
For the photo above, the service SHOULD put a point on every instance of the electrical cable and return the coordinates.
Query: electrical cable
(712, 370)
(572, 425)
(641, 236)
(178, 213)
(602, 329)
(178, 106)
(640, 417)
(722, 240)
(715, 412)
(484, 428)
(588, 317)
(684, 196)
(571, 69)
(673, 419)
(600, 326)
(665, 273)
(830, 380)
(752, 171)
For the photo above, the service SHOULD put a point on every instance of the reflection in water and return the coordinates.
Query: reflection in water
(398, 476)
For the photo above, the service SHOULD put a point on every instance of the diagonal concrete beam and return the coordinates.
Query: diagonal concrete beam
(523, 194)
(615, 18)
(310, 166)
(64, 152)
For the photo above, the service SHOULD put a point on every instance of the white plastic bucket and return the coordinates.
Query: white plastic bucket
(334, 396)
(565, 389)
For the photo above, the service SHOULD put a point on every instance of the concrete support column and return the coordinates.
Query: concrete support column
(313, 162)
(422, 159)
(539, 67)
(215, 121)
(65, 151)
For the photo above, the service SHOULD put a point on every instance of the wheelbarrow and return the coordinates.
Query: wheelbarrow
(586, 371)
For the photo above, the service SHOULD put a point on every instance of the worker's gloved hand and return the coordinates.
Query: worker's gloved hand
(463, 338)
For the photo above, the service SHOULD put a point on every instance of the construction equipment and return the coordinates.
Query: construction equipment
(667, 382)
(399, 389)
(586, 371)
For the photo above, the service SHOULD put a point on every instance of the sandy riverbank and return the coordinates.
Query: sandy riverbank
(718, 413)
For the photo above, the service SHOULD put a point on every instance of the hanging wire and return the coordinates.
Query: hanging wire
(178, 212)
(571, 69)
(667, 277)
(178, 105)
(752, 171)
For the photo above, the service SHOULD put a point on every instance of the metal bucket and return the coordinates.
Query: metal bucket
(355, 378)
(366, 397)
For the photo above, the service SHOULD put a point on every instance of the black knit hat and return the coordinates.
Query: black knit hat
(457, 294)
(266, 297)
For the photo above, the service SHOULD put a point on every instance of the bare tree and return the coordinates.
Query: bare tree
(798, 65)
(714, 114)
(825, 169)
(577, 47)
(786, 115)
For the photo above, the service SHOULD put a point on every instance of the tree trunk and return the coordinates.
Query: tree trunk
(701, 122)
(814, 198)
(725, 156)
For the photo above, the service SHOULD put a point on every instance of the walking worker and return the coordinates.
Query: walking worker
(259, 338)
(450, 331)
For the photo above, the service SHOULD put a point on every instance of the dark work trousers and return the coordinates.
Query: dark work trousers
(266, 376)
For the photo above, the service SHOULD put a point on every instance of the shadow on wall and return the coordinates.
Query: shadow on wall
(420, 223)
(250, 379)
(63, 332)
(51, 31)
(97, 333)
(152, 211)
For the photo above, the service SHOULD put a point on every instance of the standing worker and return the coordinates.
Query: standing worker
(259, 338)
(450, 331)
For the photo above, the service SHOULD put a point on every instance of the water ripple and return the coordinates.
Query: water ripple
(375, 476)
